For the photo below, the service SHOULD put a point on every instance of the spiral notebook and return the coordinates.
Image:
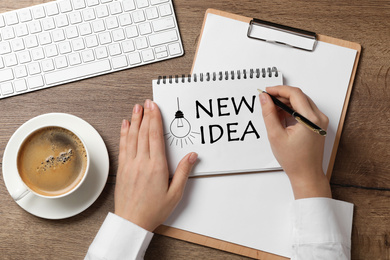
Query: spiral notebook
(217, 115)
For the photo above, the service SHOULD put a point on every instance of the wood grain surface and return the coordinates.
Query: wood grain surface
(362, 166)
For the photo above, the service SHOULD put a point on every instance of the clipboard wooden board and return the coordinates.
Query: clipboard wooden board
(239, 249)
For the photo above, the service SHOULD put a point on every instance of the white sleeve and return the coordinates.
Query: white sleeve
(119, 239)
(322, 229)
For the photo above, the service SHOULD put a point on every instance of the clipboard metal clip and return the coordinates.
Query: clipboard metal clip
(281, 34)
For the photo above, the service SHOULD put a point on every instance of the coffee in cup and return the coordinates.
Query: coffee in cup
(52, 161)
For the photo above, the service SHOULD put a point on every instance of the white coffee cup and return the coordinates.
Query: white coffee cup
(50, 165)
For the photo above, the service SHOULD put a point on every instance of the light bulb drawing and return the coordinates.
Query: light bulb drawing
(180, 129)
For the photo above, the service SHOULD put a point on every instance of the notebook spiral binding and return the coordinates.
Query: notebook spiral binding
(214, 76)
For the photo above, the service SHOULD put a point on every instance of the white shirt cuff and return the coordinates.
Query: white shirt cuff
(322, 220)
(119, 238)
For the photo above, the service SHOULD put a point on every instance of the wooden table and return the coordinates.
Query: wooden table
(360, 175)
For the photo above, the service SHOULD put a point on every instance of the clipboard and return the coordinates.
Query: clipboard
(310, 42)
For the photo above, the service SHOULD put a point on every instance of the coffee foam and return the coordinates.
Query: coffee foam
(52, 161)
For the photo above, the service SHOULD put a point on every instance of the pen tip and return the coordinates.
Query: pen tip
(260, 90)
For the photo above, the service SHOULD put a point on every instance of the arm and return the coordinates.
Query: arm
(144, 196)
(321, 226)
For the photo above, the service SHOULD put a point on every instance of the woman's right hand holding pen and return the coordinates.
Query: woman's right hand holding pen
(298, 150)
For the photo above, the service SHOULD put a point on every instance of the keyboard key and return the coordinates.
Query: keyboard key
(138, 16)
(10, 60)
(161, 55)
(62, 20)
(35, 27)
(52, 9)
(58, 35)
(17, 44)
(20, 72)
(61, 62)
(147, 55)
(115, 8)
(11, 18)
(151, 13)
(85, 29)
(145, 28)
(74, 59)
(89, 14)
(78, 72)
(156, 2)
(35, 82)
(119, 62)
(165, 10)
(25, 15)
(24, 57)
(101, 53)
(51, 51)
(141, 43)
(114, 49)
(88, 56)
(38, 12)
(101, 11)
(118, 35)
(112, 22)
(91, 41)
(6, 75)
(6, 88)
(125, 19)
(75, 18)
(48, 24)
(71, 32)
(78, 44)
(79, 4)
(31, 41)
(128, 46)
(38, 54)
(64, 47)
(92, 2)
(47, 65)
(164, 37)
(134, 58)
(105, 38)
(98, 26)
(142, 3)
(131, 31)
(5, 48)
(34, 68)
(163, 24)
(20, 85)
(8, 33)
(2, 22)
(65, 6)
(21, 30)
(44, 38)
(174, 48)
(128, 5)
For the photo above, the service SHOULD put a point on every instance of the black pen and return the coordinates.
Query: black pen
(300, 118)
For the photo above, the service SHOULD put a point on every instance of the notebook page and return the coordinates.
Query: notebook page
(253, 210)
(217, 118)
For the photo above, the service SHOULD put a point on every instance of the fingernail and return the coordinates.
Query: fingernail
(147, 103)
(193, 157)
(136, 109)
(152, 105)
(263, 98)
(124, 123)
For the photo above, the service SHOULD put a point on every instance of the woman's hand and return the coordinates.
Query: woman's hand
(143, 193)
(298, 150)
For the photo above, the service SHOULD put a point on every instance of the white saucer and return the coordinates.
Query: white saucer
(86, 194)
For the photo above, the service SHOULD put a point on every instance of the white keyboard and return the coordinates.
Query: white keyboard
(67, 40)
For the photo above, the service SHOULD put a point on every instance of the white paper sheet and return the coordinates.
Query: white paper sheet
(220, 119)
(253, 210)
